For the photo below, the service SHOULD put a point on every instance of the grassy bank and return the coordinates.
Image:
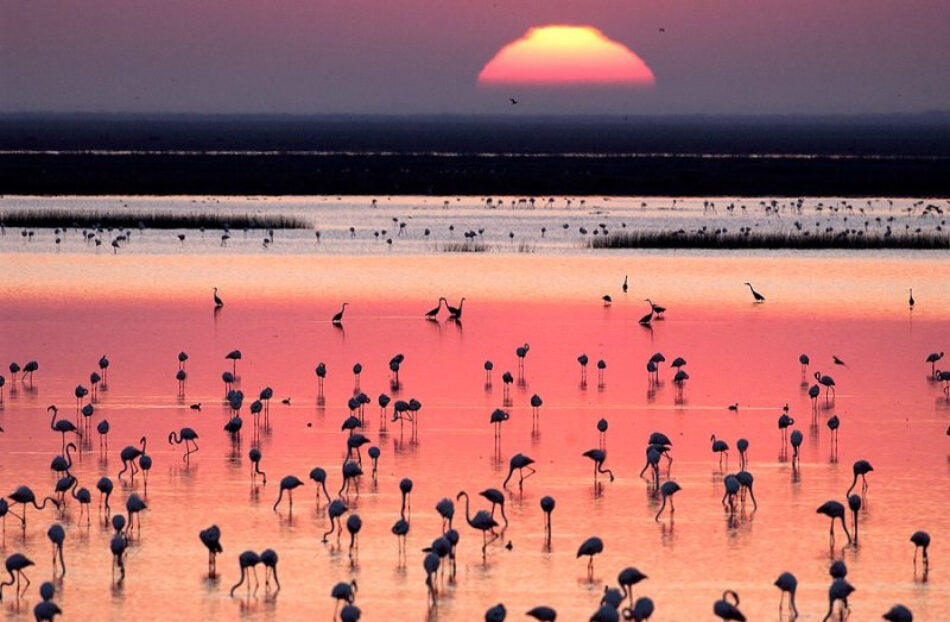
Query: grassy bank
(118, 219)
(805, 240)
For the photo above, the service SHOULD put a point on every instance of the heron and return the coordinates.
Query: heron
(433, 313)
(455, 313)
(755, 295)
(218, 303)
(338, 317)
(656, 308)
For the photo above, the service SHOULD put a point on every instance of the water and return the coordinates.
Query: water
(507, 225)
(66, 309)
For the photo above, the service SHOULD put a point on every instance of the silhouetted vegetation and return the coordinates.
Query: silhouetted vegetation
(117, 219)
(803, 240)
(463, 247)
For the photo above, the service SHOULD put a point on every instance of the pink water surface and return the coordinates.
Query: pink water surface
(892, 415)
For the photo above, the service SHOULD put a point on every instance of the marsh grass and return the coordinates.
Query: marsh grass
(464, 247)
(118, 219)
(852, 240)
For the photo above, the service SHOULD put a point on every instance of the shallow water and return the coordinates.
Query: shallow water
(65, 310)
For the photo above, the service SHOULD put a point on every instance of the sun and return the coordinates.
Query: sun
(562, 55)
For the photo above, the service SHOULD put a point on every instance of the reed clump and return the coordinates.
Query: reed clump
(464, 247)
(119, 219)
(802, 240)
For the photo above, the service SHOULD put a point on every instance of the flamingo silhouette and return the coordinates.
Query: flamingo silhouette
(599, 456)
(288, 483)
(482, 521)
(787, 582)
(833, 510)
(519, 462)
(726, 610)
(211, 538)
(186, 435)
(590, 547)
(247, 559)
(15, 565)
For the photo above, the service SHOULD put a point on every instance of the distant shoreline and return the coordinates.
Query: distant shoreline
(157, 173)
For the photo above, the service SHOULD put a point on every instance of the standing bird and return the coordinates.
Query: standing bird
(656, 308)
(497, 499)
(542, 613)
(211, 538)
(860, 468)
(642, 610)
(455, 313)
(319, 477)
(910, 300)
(598, 456)
(247, 559)
(57, 535)
(446, 509)
(645, 321)
(854, 504)
(255, 457)
(826, 381)
(62, 426)
(129, 455)
(624, 286)
(726, 610)
(24, 496)
(804, 360)
(433, 313)
(839, 590)
(899, 613)
(431, 564)
(335, 510)
(269, 558)
(338, 317)
(521, 352)
(745, 481)
(787, 583)
(833, 510)
(796, 439)
(667, 490)
(46, 610)
(932, 358)
(743, 446)
(607, 299)
(720, 447)
(921, 540)
(482, 521)
(353, 525)
(15, 565)
(627, 578)
(186, 435)
(498, 612)
(590, 547)
(547, 506)
(519, 462)
(755, 295)
(218, 303)
(288, 483)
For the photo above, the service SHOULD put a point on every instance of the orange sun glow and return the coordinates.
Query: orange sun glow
(560, 55)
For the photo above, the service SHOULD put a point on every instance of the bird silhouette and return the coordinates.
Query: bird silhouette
(755, 295)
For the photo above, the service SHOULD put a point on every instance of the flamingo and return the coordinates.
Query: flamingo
(211, 538)
(861, 468)
(854, 504)
(656, 308)
(218, 303)
(46, 610)
(743, 446)
(255, 456)
(446, 509)
(118, 545)
(234, 356)
(521, 352)
(288, 483)
(24, 496)
(15, 565)
(57, 535)
(497, 499)
(785, 422)
(910, 299)
(833, 510)
(899, 613)
(128, 456)
(519, 462)
(645, 321)
(642, 610)
(247, 559)
(335, 510)
(667, 490)
(62, 426)
(796, 440)
(431, 565)
(826, 381)
(542, 613)
(745, 480)
(105, 487)
(547, 506)
(720, 447)
(624, 287)
(627, 578)
(921, 540)
(496, 613)
(839, 590)
(598, 456)
(344, 592)
(319, 477)
(186, 435)
(353, 525)
(787, 582)
(590, 547)
(804, 360)
(351, 472)
(732, 487)
(482, 521)
(134, 505)
(497, 417)
(726, 610)
(269, 558)
(60, 464)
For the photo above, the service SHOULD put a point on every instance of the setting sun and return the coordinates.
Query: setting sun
(566, 55)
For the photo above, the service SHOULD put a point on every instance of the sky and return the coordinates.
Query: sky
(425, 56)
